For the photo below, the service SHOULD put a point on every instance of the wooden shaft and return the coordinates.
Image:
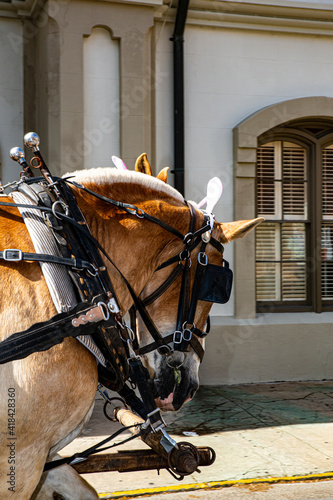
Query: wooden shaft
(135, 460)
(127, 418)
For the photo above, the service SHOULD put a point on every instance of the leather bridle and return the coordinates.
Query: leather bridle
(186, 334)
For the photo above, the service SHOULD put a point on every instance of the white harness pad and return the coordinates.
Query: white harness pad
(56, 276)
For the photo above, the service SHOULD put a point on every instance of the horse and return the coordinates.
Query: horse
(48, 397)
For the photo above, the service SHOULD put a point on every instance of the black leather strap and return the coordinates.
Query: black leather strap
(165, 285)
(15, 255)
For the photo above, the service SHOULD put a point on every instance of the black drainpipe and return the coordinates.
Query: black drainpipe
(178, 93)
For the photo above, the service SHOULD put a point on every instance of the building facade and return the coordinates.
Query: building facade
(95, 78)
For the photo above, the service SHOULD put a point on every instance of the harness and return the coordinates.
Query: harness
(97, 312)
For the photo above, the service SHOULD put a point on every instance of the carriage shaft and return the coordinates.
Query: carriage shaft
(134, 460)
(180, 459)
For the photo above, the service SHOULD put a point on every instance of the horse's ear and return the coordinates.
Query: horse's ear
(228, 231)
(142, 165)
(163, 175)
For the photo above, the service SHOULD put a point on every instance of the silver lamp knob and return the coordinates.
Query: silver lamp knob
(31, 140)
(17, 154)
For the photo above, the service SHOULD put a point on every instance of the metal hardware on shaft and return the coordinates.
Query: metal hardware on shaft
(32, 141)
(182, 457)
(17, 154)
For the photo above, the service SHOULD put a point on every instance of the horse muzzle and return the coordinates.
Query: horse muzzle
(175, 383)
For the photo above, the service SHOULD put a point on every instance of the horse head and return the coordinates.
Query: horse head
(140, 248)
(175, 375)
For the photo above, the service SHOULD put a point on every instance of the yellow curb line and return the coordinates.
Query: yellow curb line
(214, 484)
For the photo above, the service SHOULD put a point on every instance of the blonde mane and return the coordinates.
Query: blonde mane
(103, 176)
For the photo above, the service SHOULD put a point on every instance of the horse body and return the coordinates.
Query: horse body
(53, 391)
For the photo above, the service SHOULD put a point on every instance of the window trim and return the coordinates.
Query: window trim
(245, 140)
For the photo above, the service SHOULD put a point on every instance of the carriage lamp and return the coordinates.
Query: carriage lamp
(31, 140)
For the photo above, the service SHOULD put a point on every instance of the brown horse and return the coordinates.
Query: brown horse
(48, 397)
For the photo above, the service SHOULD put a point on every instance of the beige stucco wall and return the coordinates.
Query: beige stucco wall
(278, 347)
(11, 95)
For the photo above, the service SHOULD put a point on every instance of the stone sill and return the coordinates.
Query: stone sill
(304, 318)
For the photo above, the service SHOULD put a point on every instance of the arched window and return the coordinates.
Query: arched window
(294, 192)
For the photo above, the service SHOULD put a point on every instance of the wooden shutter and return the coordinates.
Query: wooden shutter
(294, 182)
(267, 257)
(327, 189)
(281, 273)
(327, 261)
(293, 248)
(266, 177)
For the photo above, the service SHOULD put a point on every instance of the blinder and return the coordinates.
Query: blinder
(216, 283)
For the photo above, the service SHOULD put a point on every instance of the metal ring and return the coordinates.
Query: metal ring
(187, 323)
(178, 366)
(104, 308)
(182, 446)
(129, 329)
(165, 348)
(184, 254)
(140, 213)
(136, 211)
(63, 206)
(113, 419)
(94, 272)
(188, 238)
(39, 162)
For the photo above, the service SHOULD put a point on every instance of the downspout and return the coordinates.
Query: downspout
(178, 94)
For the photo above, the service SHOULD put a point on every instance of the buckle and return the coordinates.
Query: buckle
(12, 254)
(202, 259)
(177, 337)
(187, 335)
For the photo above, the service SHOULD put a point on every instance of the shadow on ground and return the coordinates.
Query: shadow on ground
(223, 408)
(249, 406)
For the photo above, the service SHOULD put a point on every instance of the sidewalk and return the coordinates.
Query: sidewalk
(257, 430)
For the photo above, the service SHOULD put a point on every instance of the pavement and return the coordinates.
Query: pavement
(263, 435)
